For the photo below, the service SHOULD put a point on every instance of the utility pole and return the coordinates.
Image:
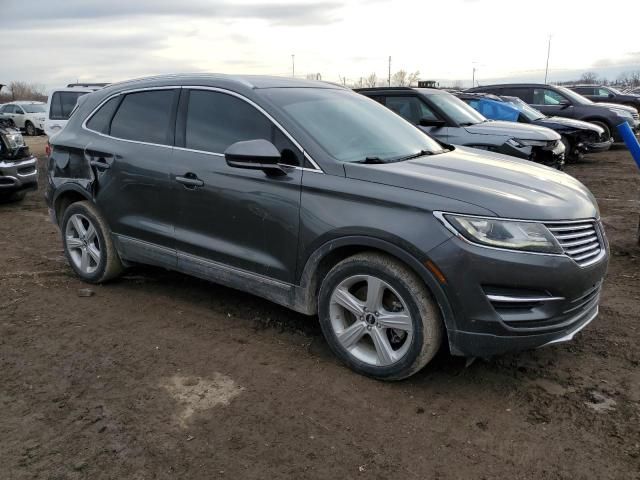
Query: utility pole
(546, 70)
(389, 80)
(473, 78)
(293, 65)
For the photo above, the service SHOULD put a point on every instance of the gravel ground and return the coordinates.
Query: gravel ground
(159, 375)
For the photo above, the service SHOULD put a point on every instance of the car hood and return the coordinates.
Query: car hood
(507, 186)
(512, 129)
(569, 123)
(618, 106)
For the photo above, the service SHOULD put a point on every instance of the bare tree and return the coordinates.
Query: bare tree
(23, 91)
(589, 77)
(314, 76)
(400, 79)
(371, 80)
(413, 78)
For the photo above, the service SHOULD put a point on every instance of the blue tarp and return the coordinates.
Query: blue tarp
(495, 110)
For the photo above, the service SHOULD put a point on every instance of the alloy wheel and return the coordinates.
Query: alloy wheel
(370, 320)
(83, 244)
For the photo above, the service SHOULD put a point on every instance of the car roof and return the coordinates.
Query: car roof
(425, 91)
(27, 102)
(212, 79)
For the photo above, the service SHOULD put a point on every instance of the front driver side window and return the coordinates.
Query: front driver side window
(602, 92)
(411, 109)
(216, 120)
(543, 96)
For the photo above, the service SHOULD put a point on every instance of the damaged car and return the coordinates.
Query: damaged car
(451, 121)
(18, 168)
(324, 201)
(578, 137)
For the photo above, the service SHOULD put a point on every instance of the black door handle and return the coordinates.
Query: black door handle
(190, 180)
(101, 163)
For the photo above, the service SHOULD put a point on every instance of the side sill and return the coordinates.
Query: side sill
(290, 296)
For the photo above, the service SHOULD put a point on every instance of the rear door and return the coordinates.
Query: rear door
(240, 218)
(130, 158)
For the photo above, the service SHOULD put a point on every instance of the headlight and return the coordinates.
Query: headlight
(534, 143)
(14, 140)
(509, 234)
(621, 113)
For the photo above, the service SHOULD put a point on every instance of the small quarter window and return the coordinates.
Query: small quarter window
(101, 120)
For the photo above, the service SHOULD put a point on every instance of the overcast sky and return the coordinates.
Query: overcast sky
(57, 42)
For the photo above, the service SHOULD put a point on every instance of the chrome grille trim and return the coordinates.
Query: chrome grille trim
(581, 241)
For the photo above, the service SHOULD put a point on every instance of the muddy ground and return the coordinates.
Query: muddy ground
(159, 375)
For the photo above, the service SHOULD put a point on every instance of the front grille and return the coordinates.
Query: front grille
(583, 301)
(579, 240)
(26, 170)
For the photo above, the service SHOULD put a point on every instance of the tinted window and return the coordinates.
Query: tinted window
(520, 92)
(101, 120)
(411, 109)
(8, 109)
(144, 117)
(216, 120)
(584, 90)
(543, 96)
(62, 104)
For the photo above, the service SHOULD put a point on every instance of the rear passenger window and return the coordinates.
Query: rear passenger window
(145, 117)
(101, 120)
(216, 120)
(522, 93)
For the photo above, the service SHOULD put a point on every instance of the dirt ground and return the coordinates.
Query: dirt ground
(159, 375)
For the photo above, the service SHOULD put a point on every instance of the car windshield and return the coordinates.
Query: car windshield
(576, 97)
(351, 127)
(615, 90)
(456, 109)
(525, 109)
(35, 108)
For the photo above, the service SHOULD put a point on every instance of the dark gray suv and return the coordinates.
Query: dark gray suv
(324, 201)
(558, 101)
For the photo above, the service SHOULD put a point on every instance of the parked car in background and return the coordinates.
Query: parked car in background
(562, 102)
(578, 137)
(635, 90)
(606, 94)
(319, 199)
(18, 168)
(27, 116)
(451, 121)
(61, 103)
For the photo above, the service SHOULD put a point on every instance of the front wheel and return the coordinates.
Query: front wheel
(607, 131)
(30, 129)
(378, 317)
(88, 244)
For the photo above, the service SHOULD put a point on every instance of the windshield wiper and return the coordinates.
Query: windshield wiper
(421, 153)
(371, 160)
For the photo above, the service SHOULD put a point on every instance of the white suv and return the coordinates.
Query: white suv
(27, 116)
(62, 102)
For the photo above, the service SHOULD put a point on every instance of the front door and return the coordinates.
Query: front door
(233, 217)
(552, 103)
(413, 109)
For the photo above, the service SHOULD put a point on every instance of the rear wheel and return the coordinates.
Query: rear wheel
(30, 129)
(88, 244)
(378, 317)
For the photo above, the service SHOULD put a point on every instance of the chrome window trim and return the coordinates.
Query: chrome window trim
(305, 154)
(441, 216)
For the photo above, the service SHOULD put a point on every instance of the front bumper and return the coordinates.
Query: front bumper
(506, 301)
(552, 155)
(595, 147)
(17, 175)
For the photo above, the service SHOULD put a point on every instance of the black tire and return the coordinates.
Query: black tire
(425, 315)
(607, 131)
(110, 265)
(30, 129)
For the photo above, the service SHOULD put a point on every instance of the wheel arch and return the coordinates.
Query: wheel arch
(65, 196)
(324, 258)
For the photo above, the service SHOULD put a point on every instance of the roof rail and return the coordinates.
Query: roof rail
(87, 85)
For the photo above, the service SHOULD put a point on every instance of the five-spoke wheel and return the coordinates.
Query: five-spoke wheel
(83, 243)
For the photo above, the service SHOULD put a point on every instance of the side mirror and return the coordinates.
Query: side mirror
(611, 95)
(255, 155)
(427, 122)
(565, 104)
